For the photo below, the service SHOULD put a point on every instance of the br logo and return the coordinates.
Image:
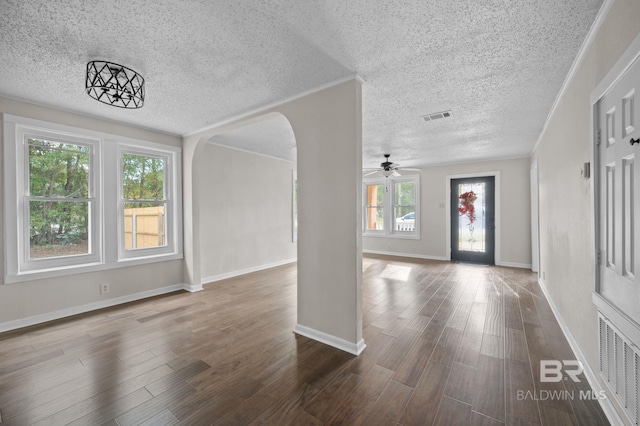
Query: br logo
(552, 370)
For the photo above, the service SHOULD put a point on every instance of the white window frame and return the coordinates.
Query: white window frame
(365, 206)
(389, 218)
(104, 195)
(170, 193)
(19, 232)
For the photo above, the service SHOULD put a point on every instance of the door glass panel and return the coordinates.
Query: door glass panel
(472, 222)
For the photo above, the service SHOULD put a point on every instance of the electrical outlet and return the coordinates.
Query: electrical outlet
(104, 288)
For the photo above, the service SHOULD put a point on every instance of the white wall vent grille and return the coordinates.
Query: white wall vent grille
(436, 115)
(619, 363)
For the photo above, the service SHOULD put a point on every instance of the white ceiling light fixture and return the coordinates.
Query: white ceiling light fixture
(114, 84)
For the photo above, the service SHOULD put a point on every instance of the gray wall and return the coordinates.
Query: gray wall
(566, 202)
(515, 231)
(23, 300)
(247, 206)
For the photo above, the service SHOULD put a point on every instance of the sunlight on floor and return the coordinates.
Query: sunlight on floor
(396, 272)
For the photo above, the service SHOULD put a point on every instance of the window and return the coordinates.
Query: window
(375, 206)
(143, 205)
(58, 201)
(67, 188)
(404, 206)
(391, 206)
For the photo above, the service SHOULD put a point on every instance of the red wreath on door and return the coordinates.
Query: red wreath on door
(466, 205)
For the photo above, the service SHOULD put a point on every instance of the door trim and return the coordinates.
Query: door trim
(629, 327)
(624, 63)
(496, 175)
(535, 225)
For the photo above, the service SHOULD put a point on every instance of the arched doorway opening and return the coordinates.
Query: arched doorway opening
(247, 204)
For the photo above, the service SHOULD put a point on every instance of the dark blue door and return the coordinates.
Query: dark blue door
(473, 220)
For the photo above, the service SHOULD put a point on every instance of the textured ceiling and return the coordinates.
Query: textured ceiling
(496, 64)
(272, 137)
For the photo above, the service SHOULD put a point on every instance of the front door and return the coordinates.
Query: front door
(473, 220)
(618, 120)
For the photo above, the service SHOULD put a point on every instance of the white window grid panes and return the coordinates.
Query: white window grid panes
(101, 198)
(397, 213)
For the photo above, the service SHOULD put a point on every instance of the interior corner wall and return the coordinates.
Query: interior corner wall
(515, 215)
(565, 200)
(46, 298)
(247, 212)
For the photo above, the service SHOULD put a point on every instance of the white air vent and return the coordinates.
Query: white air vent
(619, 363)
(436, 115)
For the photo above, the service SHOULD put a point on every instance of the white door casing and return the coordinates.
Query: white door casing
(618, 124)
(616, 219)
(535, 231)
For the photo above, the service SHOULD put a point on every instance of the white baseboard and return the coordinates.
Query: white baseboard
(328, 339)
(213, 278)
(606, 404)
(514, 265)
(38, 319)
(422, 256)
(192, 288)
(415, 256)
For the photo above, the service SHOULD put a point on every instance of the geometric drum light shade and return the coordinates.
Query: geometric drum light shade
(114, 84)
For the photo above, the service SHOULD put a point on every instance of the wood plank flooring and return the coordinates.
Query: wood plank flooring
(447, 344)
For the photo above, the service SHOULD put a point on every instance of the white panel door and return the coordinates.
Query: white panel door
(619, 193)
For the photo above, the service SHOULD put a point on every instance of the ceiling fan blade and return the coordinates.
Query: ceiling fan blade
(409, 170)
(395, 173)
(371, 173)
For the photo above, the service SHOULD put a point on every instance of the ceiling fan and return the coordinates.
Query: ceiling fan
(387, 168)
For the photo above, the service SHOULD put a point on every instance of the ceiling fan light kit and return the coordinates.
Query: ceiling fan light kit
(388, 168)
(114, 84)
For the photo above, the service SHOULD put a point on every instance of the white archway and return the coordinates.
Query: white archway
(247, 204)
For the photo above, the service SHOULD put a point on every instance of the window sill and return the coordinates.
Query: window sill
(397, 236)
(87, 268)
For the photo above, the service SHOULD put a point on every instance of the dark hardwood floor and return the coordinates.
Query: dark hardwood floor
(447, 344)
